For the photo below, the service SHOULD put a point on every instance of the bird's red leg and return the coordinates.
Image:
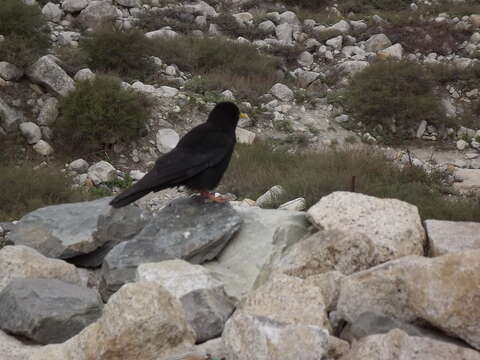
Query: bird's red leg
(208, 195)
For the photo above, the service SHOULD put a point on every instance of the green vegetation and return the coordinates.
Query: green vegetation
(99, 113)
(308, 4)
(124, 52)
(29, 189)
(221, 64)
(315, 174)
(26, 33)
(366, 6)
(388, 90)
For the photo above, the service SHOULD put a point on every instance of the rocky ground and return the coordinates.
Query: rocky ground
(354, 277)
(174, 278)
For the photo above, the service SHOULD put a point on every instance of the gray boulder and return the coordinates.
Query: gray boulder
(262, 231)
(188, 228)
(49, 112)
(101, 171)
(43, 148)
(96, 13)
(377, 42)
(113, 227)
(46, 72)
(73, 6)
(46, 310)
(61, 231)
(9, 118)
(31, 132)
(253, 337)
(9, 71)
(202, 296)
(452, 236)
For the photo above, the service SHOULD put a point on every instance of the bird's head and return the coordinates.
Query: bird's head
(225, 115)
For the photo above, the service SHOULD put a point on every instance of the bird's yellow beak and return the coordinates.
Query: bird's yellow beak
(243, 116)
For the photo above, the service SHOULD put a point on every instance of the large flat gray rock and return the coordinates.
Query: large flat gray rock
(47, 310)
(113, 227)
(188, 228)
(61, 231)
(9, 118)
(451, 236)
(240, 262)
(45, 71)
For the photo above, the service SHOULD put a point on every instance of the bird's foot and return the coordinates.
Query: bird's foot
(209, 196)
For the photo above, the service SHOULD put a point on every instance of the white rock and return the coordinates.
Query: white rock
(201, 7)
(47, 72)
(396, 344)
(84, 74)
(167, 91)
(289, 17)
(161, 34)
(136, 174)
(72, 6)
(462, 145)
(272, 195)
(167, 139)
(305, 59)
(377, 42)
(244, 136)
(394, 227)
(252, 337)
(31, 132)
(298, 204)
(43, 148)
(14, 349)
(288, 299)
(351, 67)
(97, 13)
(342, 26)
(130, 3)
(202, 296)
(452, 236)
(421, 129)
(335, 42)
(68, 38)
(441, 291)
(52, 12)
(80, 166)
(49, 112)
(101, 172)
(10, 72)
(284, 32)
(140, 321)
(267, 26)
(358, 26)
(282, 92)
(392, 52)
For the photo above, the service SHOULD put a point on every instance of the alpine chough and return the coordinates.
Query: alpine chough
(197, 162)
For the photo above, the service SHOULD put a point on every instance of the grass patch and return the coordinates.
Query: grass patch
(221, 64)
(30, 189)
(123, 52)
(26, 33)
(367, 6)
(315, 174)
(394, 90)
(98, 114)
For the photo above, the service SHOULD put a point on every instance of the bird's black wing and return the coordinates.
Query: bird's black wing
(200, 149)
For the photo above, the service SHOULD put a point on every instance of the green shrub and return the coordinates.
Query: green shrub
(30, 189)
(365, 6)
(399, 90)
(221, 64)
(308, 4)
(124, 52)
(444, 37)
(99, 113)
(26, 33)
(315, 174)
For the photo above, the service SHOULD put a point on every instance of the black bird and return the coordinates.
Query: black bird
(197, 162)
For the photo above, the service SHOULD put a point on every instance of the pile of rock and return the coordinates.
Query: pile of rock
(355, 277)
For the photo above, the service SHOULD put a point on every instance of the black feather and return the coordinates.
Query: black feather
(198, 161)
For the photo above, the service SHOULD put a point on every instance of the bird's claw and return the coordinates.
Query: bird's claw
(209, 196)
